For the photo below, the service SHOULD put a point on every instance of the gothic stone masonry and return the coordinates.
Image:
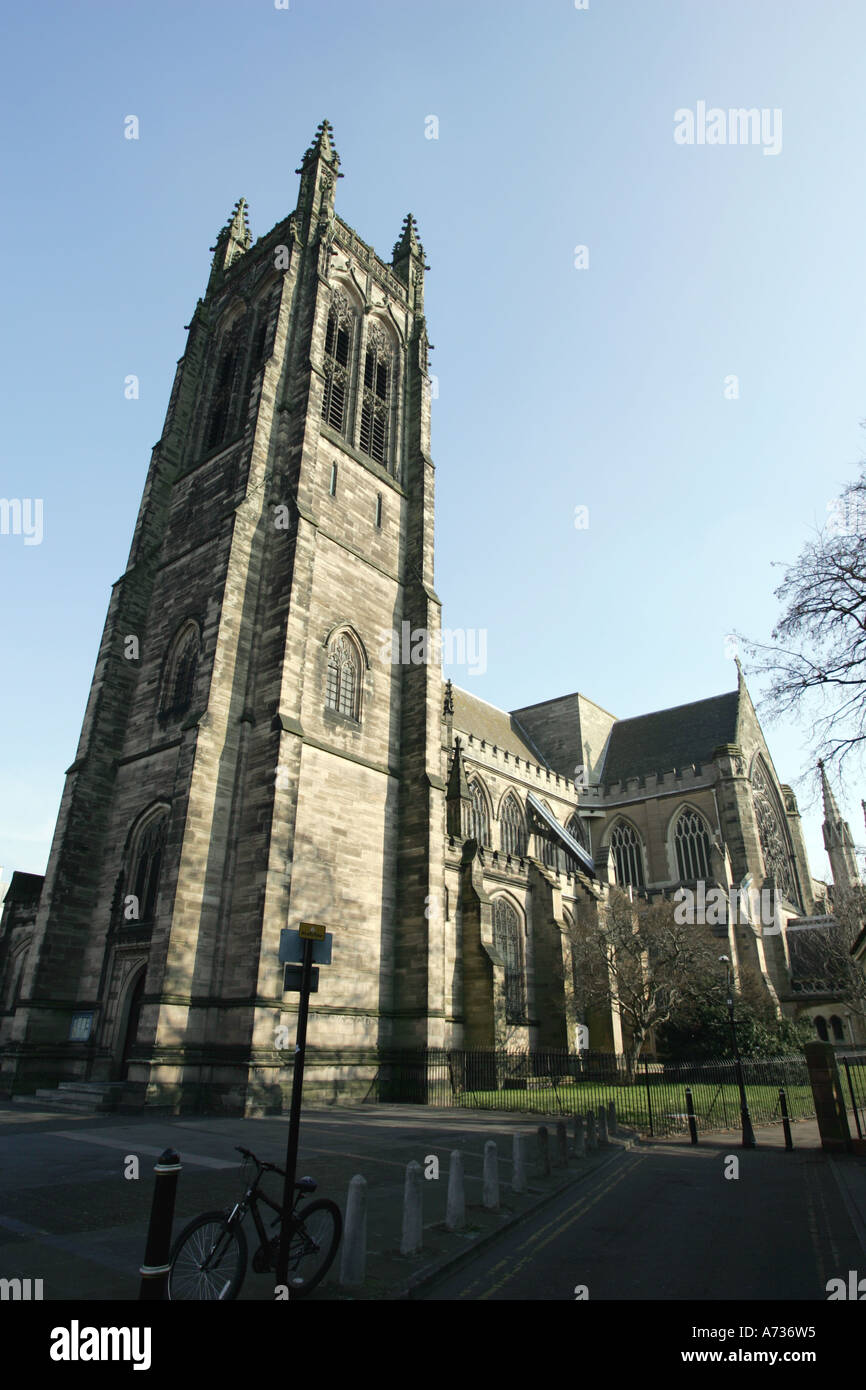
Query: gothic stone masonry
(252, 757)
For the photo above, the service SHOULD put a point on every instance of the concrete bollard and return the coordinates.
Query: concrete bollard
(603, 1140)
(353, 1251)
(579, 1137)
(455, 1212)
(561, 1144)
(413, 1221)
(518, 1171)
(490, 1196)
(591, 1141)
(611, 1117)
(543, 1151)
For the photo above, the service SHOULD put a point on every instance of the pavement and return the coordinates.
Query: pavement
(69, 1216)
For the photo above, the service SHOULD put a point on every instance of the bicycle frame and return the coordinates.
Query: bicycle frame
(249, 1203)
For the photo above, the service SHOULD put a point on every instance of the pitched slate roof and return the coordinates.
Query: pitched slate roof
(496, 726)
(670, 738)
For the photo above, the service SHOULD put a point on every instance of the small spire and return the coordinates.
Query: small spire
(321, 148)
(234, 238)
(837, 839)
(408, 243)
(831, 810)
(448, 707)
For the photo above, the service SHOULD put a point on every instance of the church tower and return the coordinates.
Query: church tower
(838, 842)
(257, 749)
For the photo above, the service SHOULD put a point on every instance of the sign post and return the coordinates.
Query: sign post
(308, 936)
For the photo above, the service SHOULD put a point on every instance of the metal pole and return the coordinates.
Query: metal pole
(786, 1123)
(748, 1141)
(853, 1101)
(690, 1111)
(154, 1271)
(649, 1101)
(295, 1115)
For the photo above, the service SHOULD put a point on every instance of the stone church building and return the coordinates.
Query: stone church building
(252, 756)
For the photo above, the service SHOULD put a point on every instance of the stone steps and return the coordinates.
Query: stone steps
(82, 1097)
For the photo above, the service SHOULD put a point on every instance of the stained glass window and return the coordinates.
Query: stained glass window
(692, 846)
(627, 854)
(508, 940)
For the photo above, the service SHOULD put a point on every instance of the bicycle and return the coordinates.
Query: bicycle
(209, 1257)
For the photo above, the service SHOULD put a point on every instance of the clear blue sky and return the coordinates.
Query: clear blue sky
(558, 387)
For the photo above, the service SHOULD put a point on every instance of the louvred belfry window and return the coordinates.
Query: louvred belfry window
(338, 347)
(179, 683)
(376, 397)
(146, 863)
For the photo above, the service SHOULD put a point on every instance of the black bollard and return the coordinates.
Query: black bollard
(690, 1111)
(154, 1271)
(786, 1123)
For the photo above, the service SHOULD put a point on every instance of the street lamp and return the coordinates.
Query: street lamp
(745, 1117)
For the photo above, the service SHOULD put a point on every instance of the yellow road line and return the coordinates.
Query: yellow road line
(556, 1226)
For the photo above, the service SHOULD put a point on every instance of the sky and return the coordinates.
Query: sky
(669, 335)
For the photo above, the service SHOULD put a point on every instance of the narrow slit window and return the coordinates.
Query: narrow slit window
(333, 486)
(379, 510)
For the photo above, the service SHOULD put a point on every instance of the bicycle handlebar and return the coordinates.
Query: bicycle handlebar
(264, 1167)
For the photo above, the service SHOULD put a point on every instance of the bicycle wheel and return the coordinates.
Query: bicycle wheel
(316, 1232)
(208, 1259)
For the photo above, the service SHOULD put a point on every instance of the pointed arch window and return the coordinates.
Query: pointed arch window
(376, 397)
(144, 864)
(774, 841)
(628, 855)
(179, 681)
(508, 941)
(343, 693)
(577, 830)
(223, 388)
(479, 816)
(512, 827)
(337, 364)
(692, 846)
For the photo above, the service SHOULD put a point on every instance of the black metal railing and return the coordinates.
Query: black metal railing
(853, 1077)
(649, 1095)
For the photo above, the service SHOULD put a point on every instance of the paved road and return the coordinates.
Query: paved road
(663, 1222)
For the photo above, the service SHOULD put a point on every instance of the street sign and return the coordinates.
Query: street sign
(292, 948)
(293, 979)
(312, 931)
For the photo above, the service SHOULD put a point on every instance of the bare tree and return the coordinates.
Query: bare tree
(640, 961)
(816, 662)
(822, 955)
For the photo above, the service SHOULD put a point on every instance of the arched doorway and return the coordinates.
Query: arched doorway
(133, 1016)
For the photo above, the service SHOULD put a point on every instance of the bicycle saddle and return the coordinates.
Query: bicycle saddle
(306, 1185)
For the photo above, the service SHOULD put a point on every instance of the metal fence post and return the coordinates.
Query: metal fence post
(853, 1099)
(649, 1103)
(786, 1123)
(690, 1111)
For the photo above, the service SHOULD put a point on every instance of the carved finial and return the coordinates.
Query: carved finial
(448, 707)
